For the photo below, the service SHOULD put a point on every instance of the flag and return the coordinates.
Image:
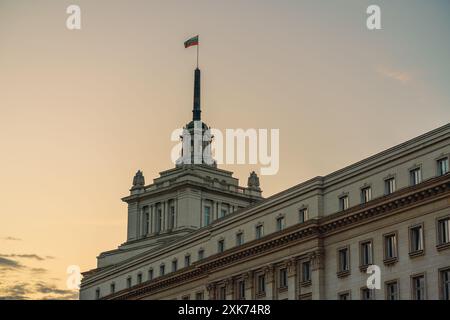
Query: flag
(191, 42)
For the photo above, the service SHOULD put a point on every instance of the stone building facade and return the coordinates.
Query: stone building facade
(194, 233)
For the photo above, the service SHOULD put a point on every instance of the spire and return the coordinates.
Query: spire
(196, 111)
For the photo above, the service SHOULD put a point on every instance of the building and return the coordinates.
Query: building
(194, 233)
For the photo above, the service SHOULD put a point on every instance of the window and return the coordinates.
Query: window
(162, 270)
(418, 287)
(259, 230)
(97, 293)
(442, 166)
(187, 260)
(306, 271)
(221, 245)
(366, 253)
(344, 260)
(367, 294)
(261, 284)
(283, 278)
(344, 295)
(139, 278)
(201, 254)
(223, 213)
(416, 239)
(390, 247)
(186, 297)
(172, 217)
(129, 282)
(174, 265)
(280, 223)
(343, 203)
(113, 288)
(389, 185)
(366, 194)
(444, 231)
(199, 295)
(150, 274)
(239, 238)
(158, 220)
(303, 215)
(222, 293)
(445, 284)
(206, 216)
(415, 176)
(241, 290)
(145, 220)
(392, 290)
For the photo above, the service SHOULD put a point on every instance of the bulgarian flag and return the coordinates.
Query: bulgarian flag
(191, 42)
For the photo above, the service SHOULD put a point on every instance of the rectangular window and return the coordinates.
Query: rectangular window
(174, 265)
(283, 278)
(261, 284)
(239, 238)
(390, 246)
(187, 261)
(392, 290)
(172, 217)
(366, 194)
(162, 270)
(129, 282)
(259, 230)
(418, 287)
(344, 296)
(366, 253)
(186, 297)
(199, 295)
(280, 223)
(389, 185)
(223, 213)
(303, 215)
(158, 220)
(416, 239)
(415, 176)
(206, 216)
(241, 290)
(344, 260)
(97, 293)
(306, 271)
(367, 294)
(442, 166)
(145, 220)
(201, 254)
(150, 274)
(139, 278)
(221, 246)
(445, 284)
(343, 203)
(444, 231)
(113, 288)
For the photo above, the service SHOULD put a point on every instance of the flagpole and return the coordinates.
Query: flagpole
(198, 45)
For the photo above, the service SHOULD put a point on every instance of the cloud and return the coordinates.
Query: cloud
(9, 264)
(38, 270)
(45, 288)
(17, 291)
(11, 239)
(396, 75)
(26, 256)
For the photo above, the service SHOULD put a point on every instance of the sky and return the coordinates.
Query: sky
(82, 110)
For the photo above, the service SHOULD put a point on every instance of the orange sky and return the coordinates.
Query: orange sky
(81, 111)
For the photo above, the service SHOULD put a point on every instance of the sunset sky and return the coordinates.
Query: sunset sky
(81, 111)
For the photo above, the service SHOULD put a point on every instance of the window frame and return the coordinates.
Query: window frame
(390, 260)
(442, 283)
(362, 265)
(343, 272)
(412, 176)
(413, 288)
(418, 252)
(387, 189)
(446, 158)
(386, 287)
(442, 245)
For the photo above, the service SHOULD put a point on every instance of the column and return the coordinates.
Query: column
(317, 274)
(248, 277)
(175, 203)
(270, 282)
(229, 285)
(211, 288)
(292, 278)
